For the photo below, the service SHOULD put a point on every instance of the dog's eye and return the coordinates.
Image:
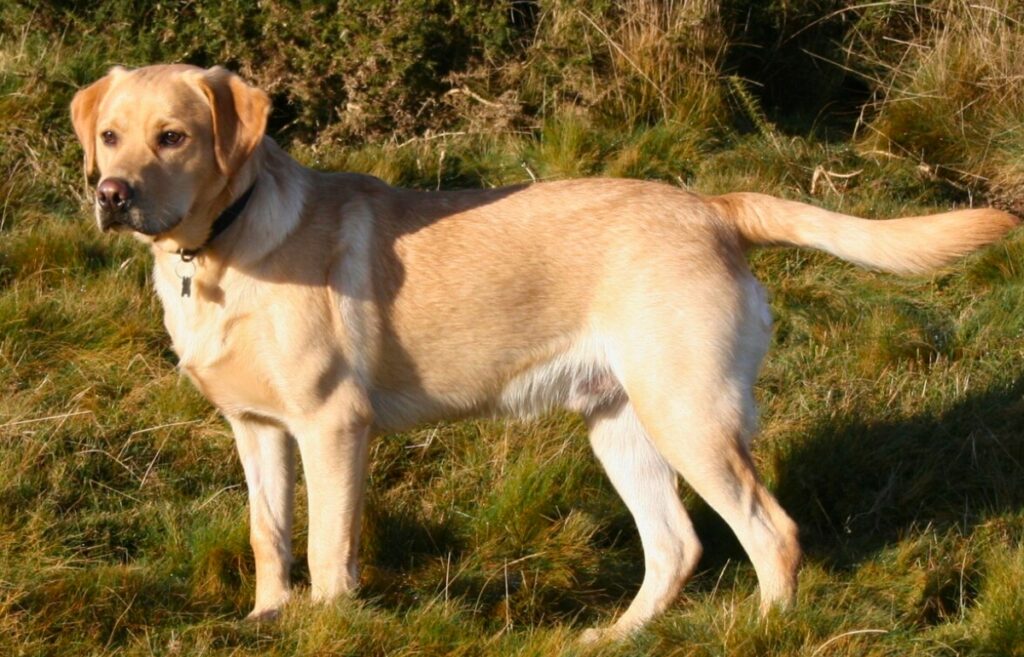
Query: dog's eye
(108, 137)
(170, 138)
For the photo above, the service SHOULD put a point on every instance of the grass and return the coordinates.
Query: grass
(951, 93)
(891, 407)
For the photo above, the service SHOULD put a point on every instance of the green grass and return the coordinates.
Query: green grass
(891, 408)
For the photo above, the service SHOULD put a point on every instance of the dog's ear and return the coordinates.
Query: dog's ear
(83, 114)
(239, 117)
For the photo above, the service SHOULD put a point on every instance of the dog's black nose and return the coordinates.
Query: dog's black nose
(114, 194)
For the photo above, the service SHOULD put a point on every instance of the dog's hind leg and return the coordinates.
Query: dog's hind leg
(647, 484)
(268, 458)
(692, 387)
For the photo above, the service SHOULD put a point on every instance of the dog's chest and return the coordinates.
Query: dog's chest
(219, 347)
(228, 370)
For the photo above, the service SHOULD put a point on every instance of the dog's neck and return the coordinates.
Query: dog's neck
(272, 176)
(220, 224)
(278, 185)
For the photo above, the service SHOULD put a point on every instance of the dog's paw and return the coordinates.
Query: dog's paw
(598, 635)
(264, 615)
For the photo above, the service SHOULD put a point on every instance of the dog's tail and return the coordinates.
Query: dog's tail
(901, 246)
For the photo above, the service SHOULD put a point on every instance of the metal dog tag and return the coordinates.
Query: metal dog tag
(185, 269)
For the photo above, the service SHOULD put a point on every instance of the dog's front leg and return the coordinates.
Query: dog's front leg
(334, 449)
(268, 458)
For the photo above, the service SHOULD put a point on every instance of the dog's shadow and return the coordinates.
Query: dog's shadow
(857, 484)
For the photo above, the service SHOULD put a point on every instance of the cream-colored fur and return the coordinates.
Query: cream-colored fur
(337, 306)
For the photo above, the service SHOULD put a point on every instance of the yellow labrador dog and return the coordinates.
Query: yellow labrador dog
(317, 309)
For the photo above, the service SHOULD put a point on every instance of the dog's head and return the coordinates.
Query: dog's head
(166, 141)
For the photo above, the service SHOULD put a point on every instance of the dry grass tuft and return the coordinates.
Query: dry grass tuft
(951, 95)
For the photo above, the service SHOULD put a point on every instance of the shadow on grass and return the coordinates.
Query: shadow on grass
(411, 561)
(856, 484)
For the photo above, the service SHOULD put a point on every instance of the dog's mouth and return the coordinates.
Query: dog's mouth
(113, 223)
(133, 220)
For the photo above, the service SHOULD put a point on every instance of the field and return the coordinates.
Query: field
(892, 409)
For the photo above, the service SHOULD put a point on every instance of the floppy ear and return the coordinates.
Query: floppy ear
(83, 114)
(239, 117)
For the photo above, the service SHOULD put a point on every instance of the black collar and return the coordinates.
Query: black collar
(220, 224)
